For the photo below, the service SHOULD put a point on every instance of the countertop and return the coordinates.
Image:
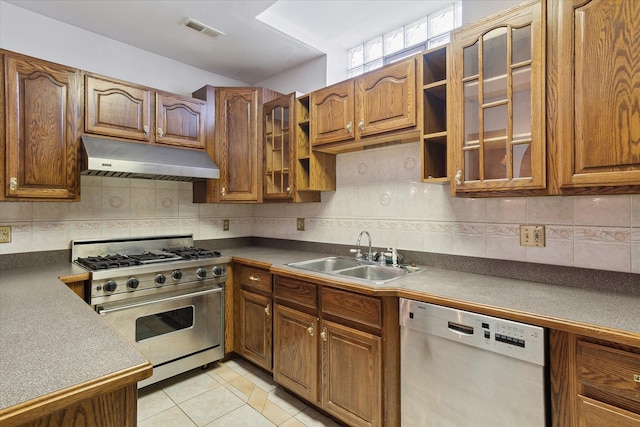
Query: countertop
(51, 340)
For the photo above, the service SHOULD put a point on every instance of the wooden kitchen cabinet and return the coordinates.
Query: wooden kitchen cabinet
(292, 171)
(368, 109)
(594, 126)
(497, 93)
(235, 142)
(593, 382)
(254, 341)
(338, 349)
(41, 126)
(124, 110)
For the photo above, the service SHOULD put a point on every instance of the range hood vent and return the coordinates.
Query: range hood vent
(107, 157)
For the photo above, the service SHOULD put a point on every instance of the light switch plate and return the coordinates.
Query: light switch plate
(225, 225)
(300, 224)
(5, 234)
(532, 235)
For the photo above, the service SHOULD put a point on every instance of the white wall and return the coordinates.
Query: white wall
(304, 78)
(35, 35)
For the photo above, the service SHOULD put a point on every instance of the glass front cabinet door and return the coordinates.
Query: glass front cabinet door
(497, 92)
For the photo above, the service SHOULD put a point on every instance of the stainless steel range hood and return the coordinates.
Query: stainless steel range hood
(107, 157)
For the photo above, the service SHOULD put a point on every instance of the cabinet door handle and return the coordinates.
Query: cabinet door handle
(254, 278)
(267, 309)
(458, 177)
(310, 329)
(636, 378)
(145, 128)
(323, 334)
(160, 132)
(349, 127)
(361, 124)
(223, 191)
(288, 190)
(13, 184)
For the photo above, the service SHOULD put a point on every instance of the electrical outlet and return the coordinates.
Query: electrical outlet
(300, 224)
(532, 235)
(5, 234)
(225, 225)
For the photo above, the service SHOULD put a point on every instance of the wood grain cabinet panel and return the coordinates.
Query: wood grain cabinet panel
(42, 108)
(347, 115)
(594, 60)
(180, 121)
(352, 374)
(295, 359)
(256, 328)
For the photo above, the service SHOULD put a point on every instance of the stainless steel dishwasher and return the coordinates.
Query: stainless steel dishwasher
(469, 370)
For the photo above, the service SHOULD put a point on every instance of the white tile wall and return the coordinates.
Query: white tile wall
(378, 190)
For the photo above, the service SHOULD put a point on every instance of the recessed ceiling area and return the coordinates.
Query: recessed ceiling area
(262, 38)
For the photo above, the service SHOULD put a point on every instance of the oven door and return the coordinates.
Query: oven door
(170, 326)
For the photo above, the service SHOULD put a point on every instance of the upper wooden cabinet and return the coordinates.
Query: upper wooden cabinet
(124, 110)
(292, 171)
(40, 129)
(234, 141)
(348, 115)
(594, 127)
(497, 93)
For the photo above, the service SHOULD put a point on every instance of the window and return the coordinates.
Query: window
(424, 33)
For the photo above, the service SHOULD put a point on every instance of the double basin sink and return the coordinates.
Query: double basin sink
(349, 267)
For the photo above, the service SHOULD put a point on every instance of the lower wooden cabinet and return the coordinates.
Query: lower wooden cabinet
(254, 320)
(351, 374)
(295, 361)
(338, 350)
(593, 382)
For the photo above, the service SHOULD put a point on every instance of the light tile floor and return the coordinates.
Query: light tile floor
(230, 393)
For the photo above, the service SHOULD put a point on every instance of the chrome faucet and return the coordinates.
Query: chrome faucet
(369, 255)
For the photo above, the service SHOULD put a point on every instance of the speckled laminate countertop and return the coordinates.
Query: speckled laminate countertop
(548, 303)
(50, 339)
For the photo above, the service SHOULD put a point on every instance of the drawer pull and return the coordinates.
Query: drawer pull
(254, 278)
(636, 378)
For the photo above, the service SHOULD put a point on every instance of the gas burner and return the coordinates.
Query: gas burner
(191, 252)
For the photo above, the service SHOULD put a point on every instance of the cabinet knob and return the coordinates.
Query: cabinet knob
(361, 124)
(458, 177)
(254, 278)
(349, 127)
(267, 310)
(13, 184)
(145, 128)
(223, 191)
(288, 190)
(160, 132)
(323, 334)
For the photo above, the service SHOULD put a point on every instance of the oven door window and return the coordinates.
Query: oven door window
(164, 323)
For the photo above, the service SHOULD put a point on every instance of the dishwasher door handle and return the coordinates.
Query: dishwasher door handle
(460, 329)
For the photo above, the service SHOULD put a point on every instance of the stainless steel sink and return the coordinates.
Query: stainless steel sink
(343, 266)
(327, 264)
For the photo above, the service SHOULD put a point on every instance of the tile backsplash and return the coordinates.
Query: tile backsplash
(378, 190)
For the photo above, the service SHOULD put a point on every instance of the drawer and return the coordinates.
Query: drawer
(595, 414)
(296, 291)
(353, 307)
(252, 277)
(609, 369)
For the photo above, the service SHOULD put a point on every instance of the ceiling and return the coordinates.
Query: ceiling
(262, 38)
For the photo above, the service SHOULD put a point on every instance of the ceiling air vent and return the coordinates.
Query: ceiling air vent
(201, 28)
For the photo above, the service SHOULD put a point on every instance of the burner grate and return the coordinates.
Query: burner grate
(191, 252)
(107, 262)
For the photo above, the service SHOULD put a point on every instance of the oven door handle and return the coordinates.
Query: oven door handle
(102, 311)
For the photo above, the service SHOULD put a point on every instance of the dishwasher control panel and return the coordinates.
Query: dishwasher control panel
(513, 339)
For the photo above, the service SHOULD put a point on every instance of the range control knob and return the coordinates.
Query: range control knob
(217, 270)
(132, 283)
(160, 279)
(110, 286)
(201, 273)
(176, 274)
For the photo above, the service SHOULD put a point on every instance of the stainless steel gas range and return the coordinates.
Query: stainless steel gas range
(163, 294)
